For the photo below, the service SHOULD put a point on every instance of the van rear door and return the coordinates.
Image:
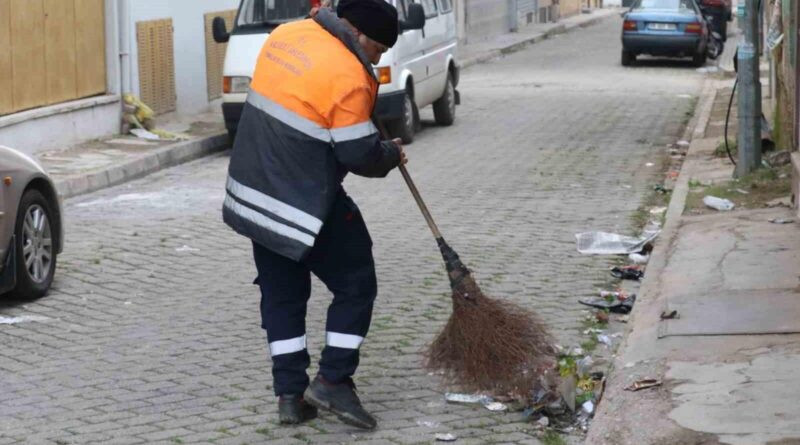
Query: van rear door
(434, 35)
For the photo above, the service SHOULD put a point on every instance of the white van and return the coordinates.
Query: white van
(420, 70)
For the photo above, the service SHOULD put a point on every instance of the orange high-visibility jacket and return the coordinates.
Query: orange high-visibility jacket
(306, 123)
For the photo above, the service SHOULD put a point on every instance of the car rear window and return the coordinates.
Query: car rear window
(670, 5)
(271, 12)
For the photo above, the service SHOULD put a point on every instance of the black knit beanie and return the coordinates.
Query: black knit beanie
(377, 19)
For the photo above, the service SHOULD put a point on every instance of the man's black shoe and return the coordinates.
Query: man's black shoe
(341, 400)
(293, 409)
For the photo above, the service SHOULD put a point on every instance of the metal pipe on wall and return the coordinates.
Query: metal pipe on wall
(513, 25)
(124, 8)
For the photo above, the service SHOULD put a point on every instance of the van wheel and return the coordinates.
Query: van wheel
(405, 128)
(444, 109)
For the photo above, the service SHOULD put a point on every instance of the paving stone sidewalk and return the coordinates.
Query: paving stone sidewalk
(727, 373)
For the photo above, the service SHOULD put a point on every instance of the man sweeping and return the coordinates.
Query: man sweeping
(305, 125)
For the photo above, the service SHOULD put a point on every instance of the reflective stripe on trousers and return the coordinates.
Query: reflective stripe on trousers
(342, 259)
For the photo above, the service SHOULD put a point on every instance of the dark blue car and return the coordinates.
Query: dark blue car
(670, 28)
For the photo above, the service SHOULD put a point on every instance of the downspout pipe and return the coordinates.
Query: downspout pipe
(125, 45)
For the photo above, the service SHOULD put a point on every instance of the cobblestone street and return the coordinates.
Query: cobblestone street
(152, 330)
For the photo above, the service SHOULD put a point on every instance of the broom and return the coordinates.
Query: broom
(488, 344)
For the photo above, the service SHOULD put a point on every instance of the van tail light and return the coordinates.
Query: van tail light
(384, 75)
(235, 84)
(629, 25)
(694, 28)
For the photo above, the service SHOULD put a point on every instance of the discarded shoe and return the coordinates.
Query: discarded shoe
(616, 305)
(293, 409)
(341, 400)
(627, 273)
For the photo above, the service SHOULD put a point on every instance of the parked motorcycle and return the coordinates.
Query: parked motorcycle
(716, 42)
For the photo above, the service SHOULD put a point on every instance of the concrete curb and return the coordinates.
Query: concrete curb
(533, 38)
(159, 159)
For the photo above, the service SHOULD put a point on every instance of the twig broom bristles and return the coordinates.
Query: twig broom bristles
(488, 344)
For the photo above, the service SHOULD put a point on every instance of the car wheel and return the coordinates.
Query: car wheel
(405, 128)
(444, 109)
(35, 246)
(699, 58)
(628, 58)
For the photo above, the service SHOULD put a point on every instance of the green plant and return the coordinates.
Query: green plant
(553, 438)
(721, 152)
(567, 366)
(585, 397)
(749, 192)
(590, 344)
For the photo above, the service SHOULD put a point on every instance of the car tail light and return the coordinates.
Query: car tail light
(384, 74)
(694, 28)
(235, 84)
(630, 25)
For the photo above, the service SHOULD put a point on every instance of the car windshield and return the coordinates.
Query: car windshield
(271, 12)
(669, 5)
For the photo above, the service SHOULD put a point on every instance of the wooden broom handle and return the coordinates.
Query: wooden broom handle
(422, 207)
(414, 192)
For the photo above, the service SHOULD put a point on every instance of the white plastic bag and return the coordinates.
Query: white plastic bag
(718, 203)
(603, 243)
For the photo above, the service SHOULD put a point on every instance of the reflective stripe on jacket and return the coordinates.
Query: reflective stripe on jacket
(306, 123)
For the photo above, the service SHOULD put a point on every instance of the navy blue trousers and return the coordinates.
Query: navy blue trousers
(342, 259)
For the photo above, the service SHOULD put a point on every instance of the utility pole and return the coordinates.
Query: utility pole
(749, 140)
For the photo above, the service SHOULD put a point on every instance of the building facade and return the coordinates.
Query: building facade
(64, 65)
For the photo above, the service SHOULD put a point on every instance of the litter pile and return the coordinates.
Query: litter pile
(581, 380)
(138, 120)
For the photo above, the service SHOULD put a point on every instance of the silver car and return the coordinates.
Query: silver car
(31, 231)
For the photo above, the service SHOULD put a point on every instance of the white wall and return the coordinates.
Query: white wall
(60, 130)
(190, 47)
(485, 18)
